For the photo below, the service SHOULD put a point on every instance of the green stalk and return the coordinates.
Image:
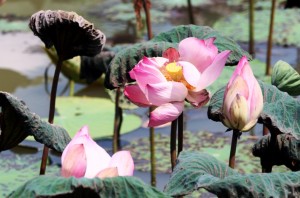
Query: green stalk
(251, 28)
(117, 122)
(148, 19)
(152, 153)
(51, 112)
(180, 133)
(235, 135)
(173, 143)
(151, 129)
(72, 87)
(190, 10)
(269, 49)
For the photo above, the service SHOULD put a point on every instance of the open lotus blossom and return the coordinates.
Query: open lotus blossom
(166, 82)
(83, 157)
(243, 99)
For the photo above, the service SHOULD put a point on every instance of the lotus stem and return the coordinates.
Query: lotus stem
(148, 18)
(235, 135)
(269, 50)
(173, 143)
(117, 122)
(190, 10)
(72, 87)
(251, 28)
(180, 133)
(152, 153)
(51, 112)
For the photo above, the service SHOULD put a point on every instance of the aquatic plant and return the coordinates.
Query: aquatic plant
(192, 170)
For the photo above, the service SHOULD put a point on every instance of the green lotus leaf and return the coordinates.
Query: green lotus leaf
(286, 78)
(196, 170)
(125, 60)
(97, 113)
(49, 186)
(17, 122)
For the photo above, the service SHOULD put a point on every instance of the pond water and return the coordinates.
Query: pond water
(23, 61)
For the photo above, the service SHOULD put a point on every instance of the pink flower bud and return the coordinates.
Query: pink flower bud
(243, 99)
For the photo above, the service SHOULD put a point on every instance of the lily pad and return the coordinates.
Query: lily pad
(97, 113)
(216, 144)
(15, 170)
(286, 26)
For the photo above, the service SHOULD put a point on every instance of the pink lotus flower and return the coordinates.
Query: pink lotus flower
(166, 82)
(83, 157)
(243, 99)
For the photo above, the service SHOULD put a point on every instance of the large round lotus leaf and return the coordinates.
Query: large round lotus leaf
(286, 26)
(97, 113)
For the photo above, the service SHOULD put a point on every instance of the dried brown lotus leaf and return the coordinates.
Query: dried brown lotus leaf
(70, 33)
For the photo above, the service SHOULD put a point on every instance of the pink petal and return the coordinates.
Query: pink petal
(147, 72)
(172, 54)
(97, 158)
(165, 113)
(124, 163)
(200, 53)
(108, 172)
(190, 73)
(198, 99)
(211, 73)
(166, 92)
(74, 161)
(256, 103)
(238, 86)
(136, 96)
(238, 69)
(155, 61)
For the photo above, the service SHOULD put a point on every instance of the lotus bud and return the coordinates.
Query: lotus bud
(243, 99)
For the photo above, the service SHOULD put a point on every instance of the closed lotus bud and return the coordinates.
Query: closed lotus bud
(243, 99)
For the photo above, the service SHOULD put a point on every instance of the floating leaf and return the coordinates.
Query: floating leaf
(125, 60)
(282, 149)
(277, 105)
(216, 144)
(97, 113)
(47, 186)
(196, 170)
(58, 27)
(17, 122)
(286, 78)
(286, 26)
